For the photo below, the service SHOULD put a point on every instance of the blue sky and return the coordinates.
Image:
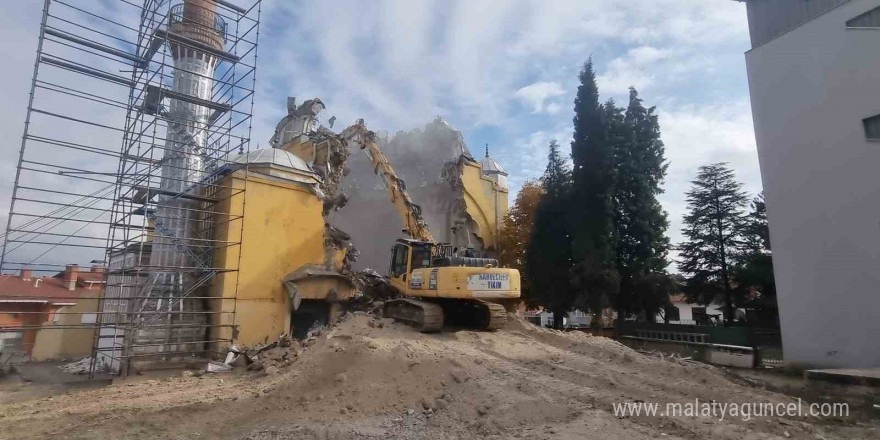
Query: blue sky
(503, 72)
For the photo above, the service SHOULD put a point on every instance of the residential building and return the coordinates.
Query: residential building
(544, 318)
(49, 318)
(683, 312)
(814, 77)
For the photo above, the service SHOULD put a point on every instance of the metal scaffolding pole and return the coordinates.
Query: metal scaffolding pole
(141, 216)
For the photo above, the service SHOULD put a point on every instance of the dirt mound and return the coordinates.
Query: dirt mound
(368, 377)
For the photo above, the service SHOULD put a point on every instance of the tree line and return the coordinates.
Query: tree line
(593, 236)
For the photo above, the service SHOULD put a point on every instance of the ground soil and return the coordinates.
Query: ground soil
(375, 379)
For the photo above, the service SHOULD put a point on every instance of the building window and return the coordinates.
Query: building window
(870, 19)
(872, 127)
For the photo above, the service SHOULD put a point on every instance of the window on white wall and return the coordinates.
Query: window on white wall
(872, 127)
(870, 19)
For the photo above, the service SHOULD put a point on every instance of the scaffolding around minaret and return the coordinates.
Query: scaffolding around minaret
(123, 168)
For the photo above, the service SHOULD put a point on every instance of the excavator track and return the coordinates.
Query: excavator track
(475, 314)
(497, 316)
(425, 316)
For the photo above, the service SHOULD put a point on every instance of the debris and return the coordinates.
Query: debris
(217, 367)
(230, 357)
(518, 397)
(315, 331)
(284, 340)
(82, 366)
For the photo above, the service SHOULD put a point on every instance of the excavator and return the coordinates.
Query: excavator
(440, 285)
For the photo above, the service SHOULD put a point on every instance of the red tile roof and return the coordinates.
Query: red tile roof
(85, 277)
(50, 289)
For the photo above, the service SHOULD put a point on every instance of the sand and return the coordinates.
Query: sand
(372, 378)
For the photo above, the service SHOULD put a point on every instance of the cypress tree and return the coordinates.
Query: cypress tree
(548, 254)
(639, 220)
(593, 275)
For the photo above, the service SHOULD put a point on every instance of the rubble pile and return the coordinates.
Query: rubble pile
(373, 286)
(277, 356)
(82, 366)
(271, 358)
(369, 377)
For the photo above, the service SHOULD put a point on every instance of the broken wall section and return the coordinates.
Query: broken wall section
(457, 201)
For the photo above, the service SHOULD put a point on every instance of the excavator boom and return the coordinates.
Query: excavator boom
(440, 286)
(414, 224)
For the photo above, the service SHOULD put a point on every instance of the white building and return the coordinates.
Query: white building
(684, 311)
(814, 77)
(544, 318)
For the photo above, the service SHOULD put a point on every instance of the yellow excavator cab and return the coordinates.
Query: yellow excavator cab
(457, 290)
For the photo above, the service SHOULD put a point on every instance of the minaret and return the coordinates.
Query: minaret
(185, 159)
(185, 156)
(193, 76)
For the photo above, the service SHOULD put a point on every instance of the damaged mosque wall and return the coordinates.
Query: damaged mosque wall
(315, 211)
(462, 200)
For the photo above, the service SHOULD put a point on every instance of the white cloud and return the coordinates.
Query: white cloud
(536, 95)
(553, 108)
(701, 135)
(399, 63)
(635, 68)
(531, 155)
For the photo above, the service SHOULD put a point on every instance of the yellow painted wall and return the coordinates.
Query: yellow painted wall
(54, 342)
(486, 203)
(283, 230)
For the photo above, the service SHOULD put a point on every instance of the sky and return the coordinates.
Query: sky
(502, 72)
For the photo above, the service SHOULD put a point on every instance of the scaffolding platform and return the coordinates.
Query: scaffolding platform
(136, 109)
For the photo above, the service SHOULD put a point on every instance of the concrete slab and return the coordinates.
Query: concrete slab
(858, 376)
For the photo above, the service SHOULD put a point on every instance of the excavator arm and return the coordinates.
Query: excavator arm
(410, 213)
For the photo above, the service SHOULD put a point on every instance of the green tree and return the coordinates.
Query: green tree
(519, 224)
(593, 276)
(639, 220)
(548, 253)
(755, 268)
(714, 228)
(653, 290)
(757, 229)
